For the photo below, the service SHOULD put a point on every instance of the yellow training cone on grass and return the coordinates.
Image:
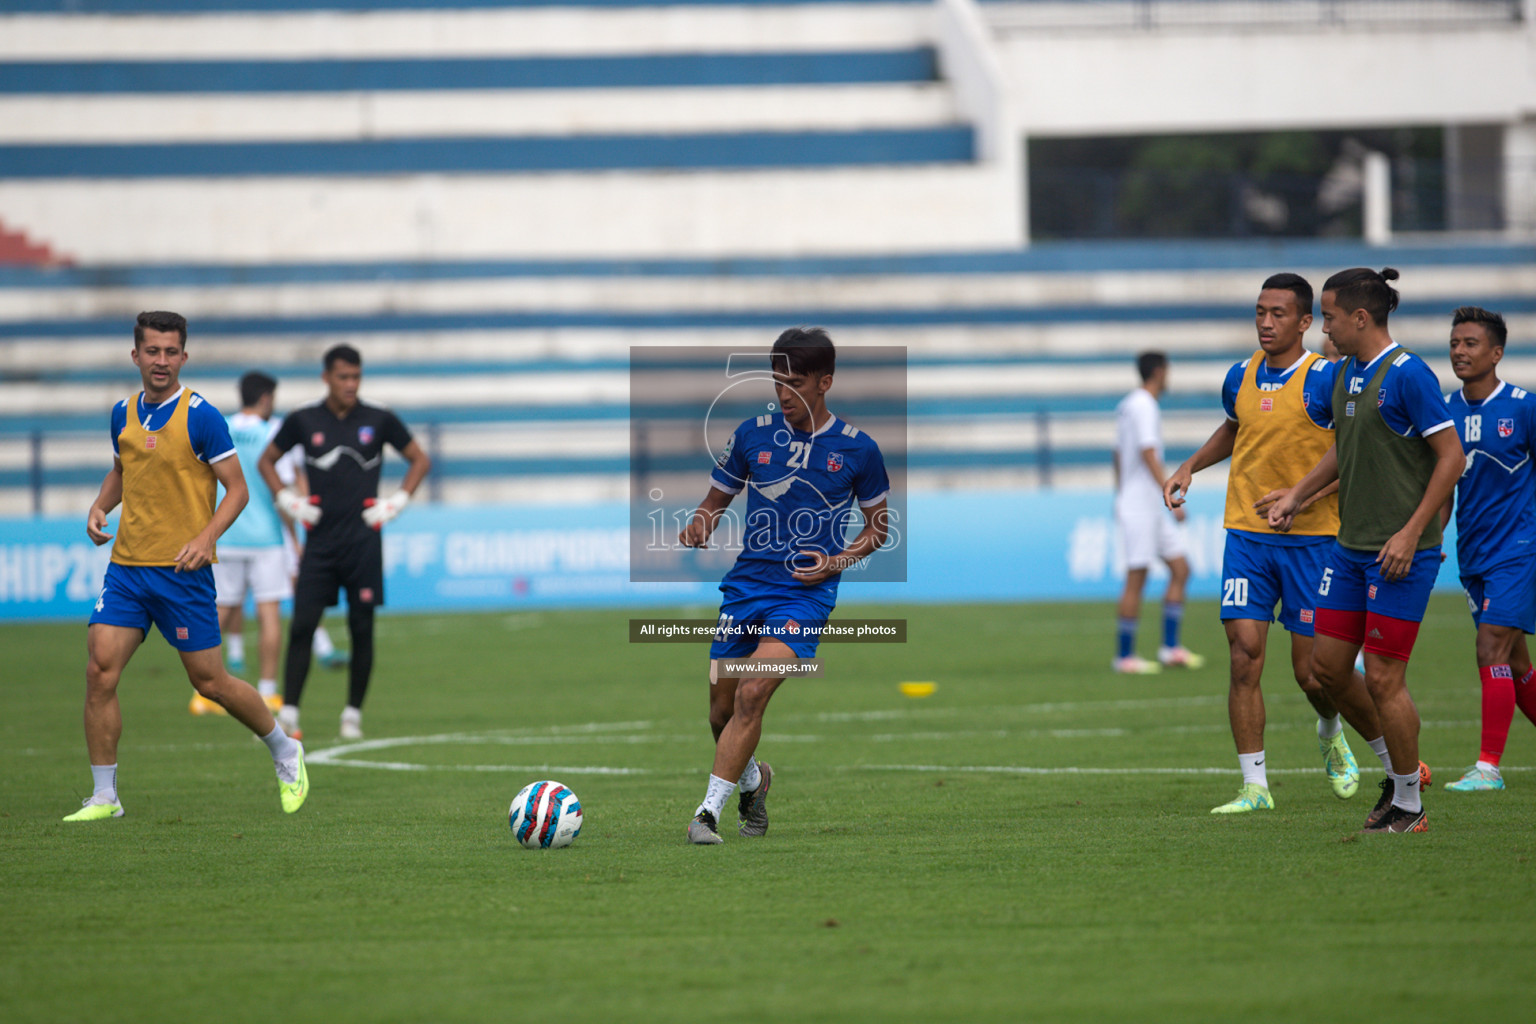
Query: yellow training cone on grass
(917, 689)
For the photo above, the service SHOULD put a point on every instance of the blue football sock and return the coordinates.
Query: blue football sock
(1126, 633)
(1173, 623)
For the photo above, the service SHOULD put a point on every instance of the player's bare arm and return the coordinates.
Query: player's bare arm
(1295, 499)
(266, 466)
(291, 503)
(198, 551)
(702, 523)
(1396, 555)
(1217, 448)
(421, 465)
(387, 509)
(1273, 496)
(870, 539)
(107, 499)
(1155, 466)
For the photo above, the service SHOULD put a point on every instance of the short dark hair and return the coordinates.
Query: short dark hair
(159, 320)
(1493, 323)
(808, 351)
(255, 386)
(1149, 363)
(1364, 288)
(1296, 285)
(342, 354)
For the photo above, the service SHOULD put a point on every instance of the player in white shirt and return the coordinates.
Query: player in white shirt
(1147, 529)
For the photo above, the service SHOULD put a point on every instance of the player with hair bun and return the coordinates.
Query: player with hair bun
(1397, 462)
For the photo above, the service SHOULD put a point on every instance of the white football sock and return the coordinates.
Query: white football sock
(288, 718)
(234, 647)
(751, 778)
(1253, 769)
(1328, 728)
(1405, 792)
(715, 797)
(283, 748)
(267, 687)
(104, 779)
(1379, 748)
(322, 646)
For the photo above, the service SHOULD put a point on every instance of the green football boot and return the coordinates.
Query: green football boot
(1478, 780)
(293, 782)
(1339, 763)
(96, 808)
(1251, 797)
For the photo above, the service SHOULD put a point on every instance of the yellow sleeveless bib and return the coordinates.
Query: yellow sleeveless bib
(168, 492)
(1277, 444)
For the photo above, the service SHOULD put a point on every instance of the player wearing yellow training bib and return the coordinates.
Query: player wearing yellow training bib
(172, 451)
(1279, 424)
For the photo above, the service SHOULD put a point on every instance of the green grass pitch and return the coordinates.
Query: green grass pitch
(936, 859)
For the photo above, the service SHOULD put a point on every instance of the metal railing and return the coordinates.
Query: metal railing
(1034, 15)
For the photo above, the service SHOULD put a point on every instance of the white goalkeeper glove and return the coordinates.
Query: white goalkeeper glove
(378, 513)
(296, 507)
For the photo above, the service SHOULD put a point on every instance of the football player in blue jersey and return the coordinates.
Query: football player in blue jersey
(805, 472)
(172, 451)
(1495, 530)
(1279, 406)
(1396, 461)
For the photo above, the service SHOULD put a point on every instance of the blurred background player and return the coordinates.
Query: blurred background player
(1279, 406)
(247, 564)
(1147, 529)
(343, 440)
(172, 449)
(1495, 530)
(1396, 464)
(253, 559)
(805, 469)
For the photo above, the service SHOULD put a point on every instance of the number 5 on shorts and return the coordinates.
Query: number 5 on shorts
(1322, 588)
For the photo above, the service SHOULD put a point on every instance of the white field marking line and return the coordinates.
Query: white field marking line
(1045, 708)
(1011, 769)
(335, 756)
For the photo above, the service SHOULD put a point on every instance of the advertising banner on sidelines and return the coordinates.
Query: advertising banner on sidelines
(960, 546)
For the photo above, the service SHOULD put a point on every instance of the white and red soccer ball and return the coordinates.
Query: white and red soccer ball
(545, 815)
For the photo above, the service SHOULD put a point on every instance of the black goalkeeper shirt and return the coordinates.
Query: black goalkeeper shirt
(343, 457)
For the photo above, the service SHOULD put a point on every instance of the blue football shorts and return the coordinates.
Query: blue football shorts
(749, 617)
(1256, 576)
(1504, 594)
(1351, 581)
(183, 605)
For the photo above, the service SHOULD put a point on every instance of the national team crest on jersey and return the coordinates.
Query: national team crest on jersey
(763, 458)
(1506, 427)
(834, 462)
(1306, 400)
(365, 435)
(1381, 395)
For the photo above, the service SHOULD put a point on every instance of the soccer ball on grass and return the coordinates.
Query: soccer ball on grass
(545, 816)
